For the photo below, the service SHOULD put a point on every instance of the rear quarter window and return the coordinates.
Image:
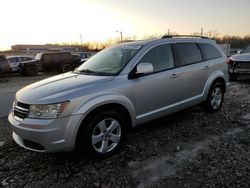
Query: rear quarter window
(209, 51)
(187, 53)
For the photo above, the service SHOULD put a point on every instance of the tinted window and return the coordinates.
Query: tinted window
(27, 58)
(187, 53)
(12, 59)
(209, 51)
(161, 57)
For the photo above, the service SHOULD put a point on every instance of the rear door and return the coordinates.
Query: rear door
(194, 72)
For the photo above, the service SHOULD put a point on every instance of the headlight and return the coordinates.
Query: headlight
(47, 110)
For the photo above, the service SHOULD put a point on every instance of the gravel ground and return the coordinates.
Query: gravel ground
(188, 149)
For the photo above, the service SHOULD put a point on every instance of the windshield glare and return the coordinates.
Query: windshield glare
(38, 56)
(109, 61)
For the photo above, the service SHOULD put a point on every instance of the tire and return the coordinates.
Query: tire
(215, 98)
(103, 135)
(66, 67)
(31, 71)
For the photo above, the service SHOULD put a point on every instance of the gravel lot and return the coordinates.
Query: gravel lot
(188, 149)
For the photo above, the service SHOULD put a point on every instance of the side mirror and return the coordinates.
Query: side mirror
(144, 68)
(239, 51)
(141, 69)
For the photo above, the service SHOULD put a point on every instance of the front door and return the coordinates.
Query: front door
(157, 93)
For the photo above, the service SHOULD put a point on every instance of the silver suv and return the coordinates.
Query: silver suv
(93, 107)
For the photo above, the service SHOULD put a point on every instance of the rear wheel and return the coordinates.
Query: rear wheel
(66, 67)
(103, 135)
(215, 97)
(31, 71)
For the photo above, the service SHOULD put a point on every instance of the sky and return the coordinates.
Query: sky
(57, 21)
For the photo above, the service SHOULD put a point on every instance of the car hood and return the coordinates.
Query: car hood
(60, 88)
(241, 57)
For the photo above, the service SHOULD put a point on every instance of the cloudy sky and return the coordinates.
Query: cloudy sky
(56, 21)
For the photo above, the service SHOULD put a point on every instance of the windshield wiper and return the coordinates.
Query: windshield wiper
(87, 71)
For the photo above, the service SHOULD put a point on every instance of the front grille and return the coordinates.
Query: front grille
(21, 110)
(243, 65)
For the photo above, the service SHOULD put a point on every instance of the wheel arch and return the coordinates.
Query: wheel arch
(221, 81)
(109, 106)
(217, 76)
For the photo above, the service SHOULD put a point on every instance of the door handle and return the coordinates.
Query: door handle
(205, 67)
(174, 76)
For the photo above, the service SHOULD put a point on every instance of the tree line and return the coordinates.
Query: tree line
(235, 41)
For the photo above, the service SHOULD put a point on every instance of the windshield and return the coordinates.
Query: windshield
(246, 50)
(109, 61)
(38, 56)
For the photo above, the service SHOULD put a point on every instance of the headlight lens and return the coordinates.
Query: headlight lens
(47, 110)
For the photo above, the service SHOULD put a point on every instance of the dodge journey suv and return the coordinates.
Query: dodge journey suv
(92, 108)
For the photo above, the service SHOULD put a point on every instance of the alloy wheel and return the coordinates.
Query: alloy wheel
(106, 135)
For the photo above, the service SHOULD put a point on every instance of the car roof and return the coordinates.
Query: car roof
(170, 40)
(58, 52)
(19, 56)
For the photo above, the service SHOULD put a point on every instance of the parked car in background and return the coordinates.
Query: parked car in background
(14, 61)
(93, 107)
(239, 64)
(4, 65)
(60, 61)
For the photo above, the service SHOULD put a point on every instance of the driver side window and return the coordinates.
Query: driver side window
(161, 57)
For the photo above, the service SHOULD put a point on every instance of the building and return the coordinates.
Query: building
(33, 49)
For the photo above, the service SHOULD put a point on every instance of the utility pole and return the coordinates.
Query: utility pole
(168, 31)
(81, 39)
(202, 31)
(120, 34)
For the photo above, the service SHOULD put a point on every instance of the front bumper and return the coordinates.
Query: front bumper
(45, 135)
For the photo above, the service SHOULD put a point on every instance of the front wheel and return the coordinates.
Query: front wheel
(103, 135)
(215, 98)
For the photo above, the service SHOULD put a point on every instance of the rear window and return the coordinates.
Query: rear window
(209, 51)
(187, 53)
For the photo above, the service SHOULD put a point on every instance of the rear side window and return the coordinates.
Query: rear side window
(209, 51)
(187, 53)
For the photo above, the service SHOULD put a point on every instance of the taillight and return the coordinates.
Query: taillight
(229, 62)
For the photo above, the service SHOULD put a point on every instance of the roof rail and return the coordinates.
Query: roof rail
(191, 36)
